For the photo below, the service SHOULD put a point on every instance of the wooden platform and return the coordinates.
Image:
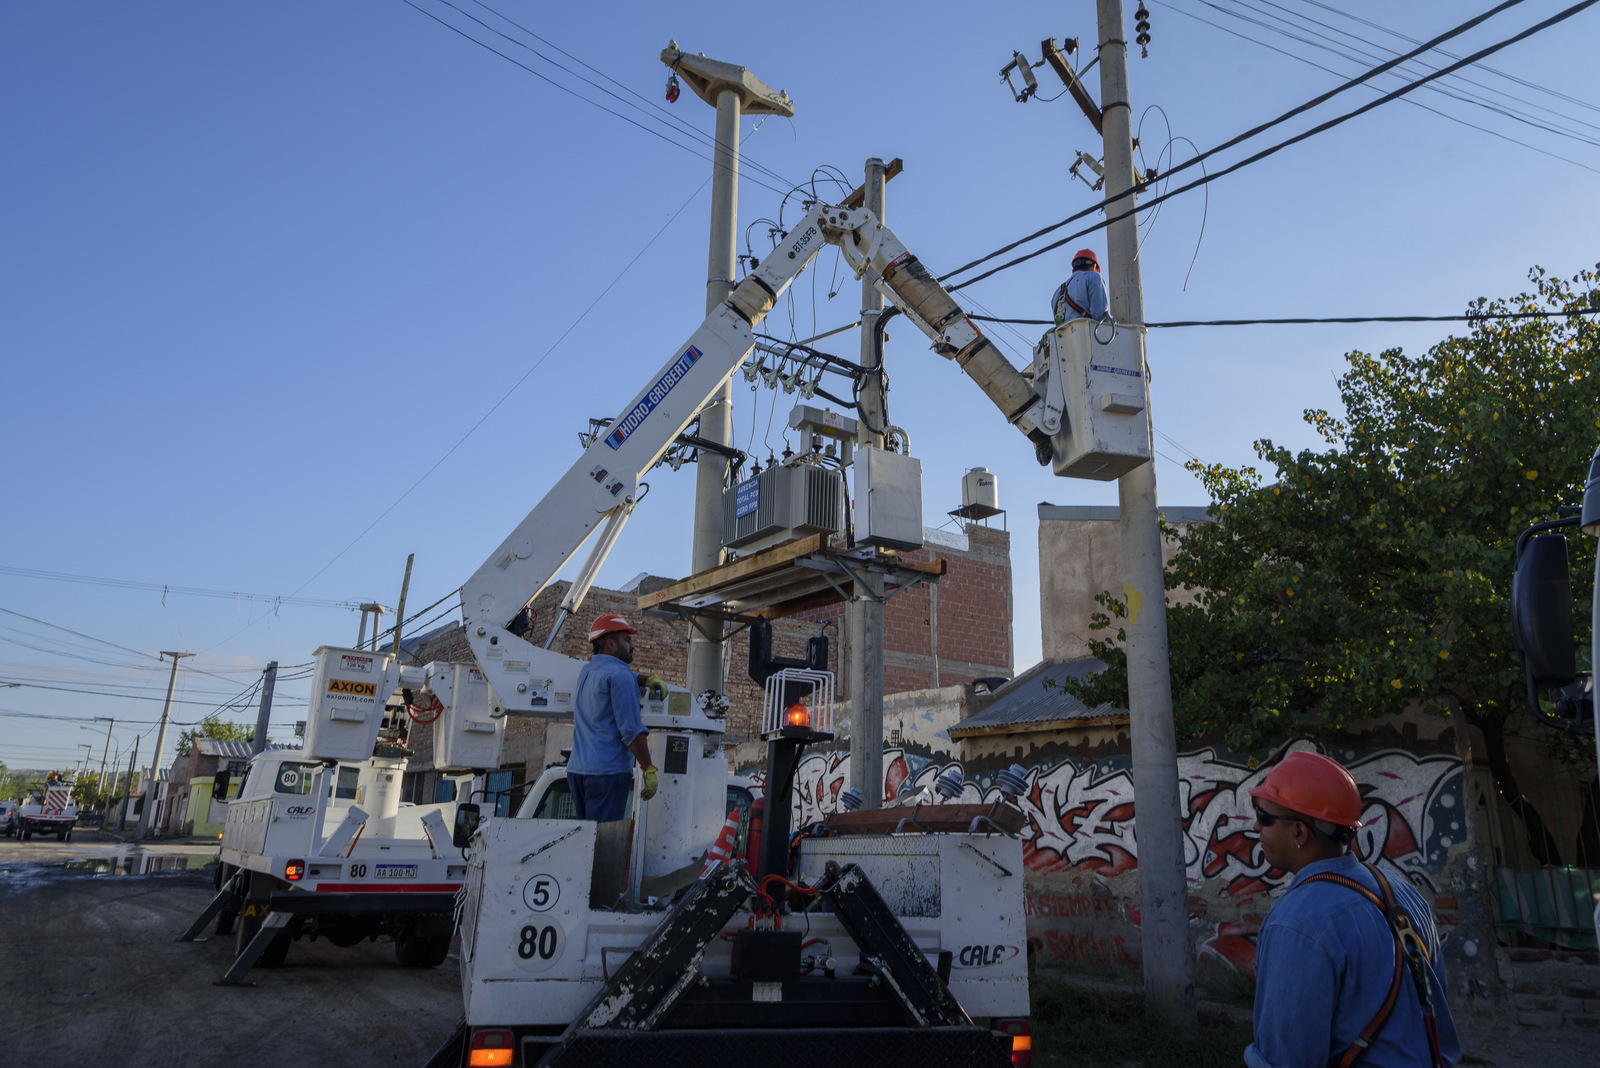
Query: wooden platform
(786, 579)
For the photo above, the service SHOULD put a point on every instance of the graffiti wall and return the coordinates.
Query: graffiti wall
(1080, 841)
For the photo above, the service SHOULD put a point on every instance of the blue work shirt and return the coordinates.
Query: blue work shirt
(1087, 290)
(1324, 962)
(607, 718)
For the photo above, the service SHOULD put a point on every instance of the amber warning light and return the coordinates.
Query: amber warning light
(797, 715)
(294, 870)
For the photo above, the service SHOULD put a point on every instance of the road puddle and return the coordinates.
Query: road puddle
(140, 863)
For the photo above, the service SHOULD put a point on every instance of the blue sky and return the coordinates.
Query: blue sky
(264, 266)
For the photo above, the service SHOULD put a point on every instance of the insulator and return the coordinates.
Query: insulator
(1143, 26)
(851, 799)
(1013, 782)
(949, 784)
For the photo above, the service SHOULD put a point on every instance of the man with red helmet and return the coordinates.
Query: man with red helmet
(1348, 968)
(608, 733)
(1083, 295)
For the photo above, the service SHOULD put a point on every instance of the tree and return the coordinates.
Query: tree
(212, 727)
(1375, 575)
(87, 791)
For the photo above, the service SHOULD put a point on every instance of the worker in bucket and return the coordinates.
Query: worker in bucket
(1348, 969)
(608, 734)
(1083, 295)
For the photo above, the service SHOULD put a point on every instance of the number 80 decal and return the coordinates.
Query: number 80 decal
(539, 946)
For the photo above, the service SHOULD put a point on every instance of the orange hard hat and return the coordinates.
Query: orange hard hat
(610, 623)
(1313, 785)
(1086, 254)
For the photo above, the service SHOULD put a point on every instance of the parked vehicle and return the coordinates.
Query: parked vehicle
(51, 811)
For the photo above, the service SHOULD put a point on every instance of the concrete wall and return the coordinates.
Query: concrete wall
(1080, 556)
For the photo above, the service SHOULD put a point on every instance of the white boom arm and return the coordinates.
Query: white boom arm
(603, 484)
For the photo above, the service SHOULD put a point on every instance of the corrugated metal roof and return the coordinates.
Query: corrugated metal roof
(1036, 696)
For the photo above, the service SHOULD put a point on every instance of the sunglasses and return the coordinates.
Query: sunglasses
(1267, 819)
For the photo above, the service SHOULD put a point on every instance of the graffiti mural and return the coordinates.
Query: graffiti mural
(1080, 816)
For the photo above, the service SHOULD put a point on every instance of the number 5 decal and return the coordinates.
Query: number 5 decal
(541, 892)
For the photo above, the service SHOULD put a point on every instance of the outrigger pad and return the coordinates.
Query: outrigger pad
(887, 949)
(652, 979)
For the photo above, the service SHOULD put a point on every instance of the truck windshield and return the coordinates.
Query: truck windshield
(294, 778)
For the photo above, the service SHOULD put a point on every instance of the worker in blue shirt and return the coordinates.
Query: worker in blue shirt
(1336, 980)
(1083, 295)
(608, 734)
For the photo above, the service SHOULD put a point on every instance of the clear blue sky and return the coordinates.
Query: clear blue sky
(264, 265)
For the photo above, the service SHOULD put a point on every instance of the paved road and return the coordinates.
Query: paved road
(93, 975)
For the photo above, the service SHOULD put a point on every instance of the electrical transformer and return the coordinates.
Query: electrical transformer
(782, 503)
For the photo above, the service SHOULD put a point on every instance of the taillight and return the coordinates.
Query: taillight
(1021, 1033)
(294, 871)
(490, 1049)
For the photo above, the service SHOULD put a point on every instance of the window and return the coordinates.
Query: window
(556, 804)
(444, 790)
(349, 779)
(294, 778)
(741, 799)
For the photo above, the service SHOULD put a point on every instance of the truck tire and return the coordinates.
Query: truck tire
(417, 951)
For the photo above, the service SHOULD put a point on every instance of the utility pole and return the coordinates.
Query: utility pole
(864, 615)
(1163, 888)
(259, 743)
(127, 785)
(110, 723)
(161, 741)
(733, 91)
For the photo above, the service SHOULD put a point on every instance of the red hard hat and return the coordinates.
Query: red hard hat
(610, 623)
(1086, 254)
(1315, 786)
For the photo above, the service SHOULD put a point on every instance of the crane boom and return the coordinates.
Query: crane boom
(602, 486)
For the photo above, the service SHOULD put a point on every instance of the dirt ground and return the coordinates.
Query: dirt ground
(90, 974)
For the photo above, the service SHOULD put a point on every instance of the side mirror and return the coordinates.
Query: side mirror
(219, 785)
(466, 825)
(1541, 612)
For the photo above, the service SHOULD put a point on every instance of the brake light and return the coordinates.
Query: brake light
(1021, 1032)
(294, 871)
(490, 1049)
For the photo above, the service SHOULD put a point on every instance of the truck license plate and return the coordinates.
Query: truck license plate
(395, 871)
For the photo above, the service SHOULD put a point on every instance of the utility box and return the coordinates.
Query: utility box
(1099, 370)
(782, 503)
(348, 693)
(465, 736)
(888, 509)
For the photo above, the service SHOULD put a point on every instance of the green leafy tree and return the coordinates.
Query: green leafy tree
(1374, 575)
(87, 791)
(212, 727)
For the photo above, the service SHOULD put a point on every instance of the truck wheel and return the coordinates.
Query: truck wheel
(225, 921)
(61, 836)
(26, 835)
(415, 951)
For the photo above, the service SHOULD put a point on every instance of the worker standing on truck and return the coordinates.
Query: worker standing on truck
(608, 734)
(1347, 962)
(1083, 295)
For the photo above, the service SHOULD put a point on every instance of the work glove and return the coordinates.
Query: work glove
(653, 685)
(651, 785)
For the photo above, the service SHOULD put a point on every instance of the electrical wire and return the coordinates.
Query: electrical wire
(1246, 135)
(1396, 94)
(1468, 318)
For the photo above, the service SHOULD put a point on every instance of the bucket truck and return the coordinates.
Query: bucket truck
(586, 943)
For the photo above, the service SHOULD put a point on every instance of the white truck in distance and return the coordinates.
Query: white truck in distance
(48, 811)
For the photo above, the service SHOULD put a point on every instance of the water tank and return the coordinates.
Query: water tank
(980, 495)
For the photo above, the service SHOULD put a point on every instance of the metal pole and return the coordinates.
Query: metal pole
(400, 613)
(127, 785)
(258, 743)
(864, 616)
(105, 752)
(716, 418)
(1163, 889)
(161, 741)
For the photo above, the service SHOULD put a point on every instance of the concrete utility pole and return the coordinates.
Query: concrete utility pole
(127, 785)
(259, 743)
(864, 616)
(110, 723)
(1163, 889)
(161, 741)
(733, 91)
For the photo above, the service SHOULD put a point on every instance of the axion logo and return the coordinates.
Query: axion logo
(360, 689)
(984, 956)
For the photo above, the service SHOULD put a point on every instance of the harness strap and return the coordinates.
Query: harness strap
(1062, 293)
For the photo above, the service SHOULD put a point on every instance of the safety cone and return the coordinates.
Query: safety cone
(722, 850)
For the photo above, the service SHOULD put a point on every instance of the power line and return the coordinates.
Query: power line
(1468, 318)
(166, 588)
(1396, 94)
(111, 644)
(574, 93)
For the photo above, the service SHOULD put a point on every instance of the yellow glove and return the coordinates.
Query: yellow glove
(651, 785)
(653, 685)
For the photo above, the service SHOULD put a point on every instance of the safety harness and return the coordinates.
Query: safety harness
(1409, 952)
